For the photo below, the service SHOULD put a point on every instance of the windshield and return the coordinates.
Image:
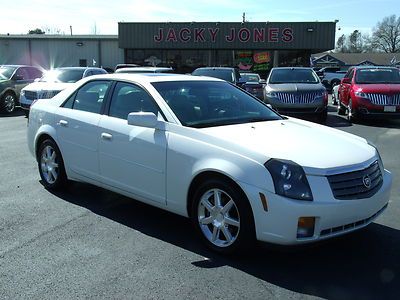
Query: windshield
(226, 75)
(293, 76)
(378, 76)
(6, 72)
(202, 104)
(250, 77)
(63, 75)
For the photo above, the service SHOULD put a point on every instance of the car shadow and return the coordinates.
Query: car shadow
(16, 113)
(362, 265)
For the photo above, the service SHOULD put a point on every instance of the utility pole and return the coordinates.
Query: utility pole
(244, 17)
(70, 29)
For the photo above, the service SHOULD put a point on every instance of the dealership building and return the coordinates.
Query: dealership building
(253, 46)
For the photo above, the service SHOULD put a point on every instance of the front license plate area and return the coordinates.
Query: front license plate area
(389, 109)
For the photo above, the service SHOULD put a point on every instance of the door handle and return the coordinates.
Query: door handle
(106, 136)
(63, 123)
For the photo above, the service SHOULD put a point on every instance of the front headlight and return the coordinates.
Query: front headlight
(22, 93)
(289, 179)
(361, 94)
(271, 94)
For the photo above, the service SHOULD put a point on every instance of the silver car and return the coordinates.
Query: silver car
(296, 91)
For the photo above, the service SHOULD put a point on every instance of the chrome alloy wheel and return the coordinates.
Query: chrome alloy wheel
(49, 165)
(218, 218)
(9, 103)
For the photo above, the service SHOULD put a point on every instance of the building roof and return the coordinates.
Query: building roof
(59, 36)
(353, 59)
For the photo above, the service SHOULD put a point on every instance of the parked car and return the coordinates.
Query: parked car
(231, 75)
(330, 79)
(205, 149)
(145, 70)
(371, 91)
(53, 82)
(297, 91)
(253, 84)
(12, 79)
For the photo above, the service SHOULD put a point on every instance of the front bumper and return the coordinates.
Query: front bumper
(25, 103)
(279, 223)
(297, 108)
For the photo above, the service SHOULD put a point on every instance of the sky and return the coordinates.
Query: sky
(102, 16)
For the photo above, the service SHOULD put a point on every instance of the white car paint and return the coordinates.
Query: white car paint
(165, 160)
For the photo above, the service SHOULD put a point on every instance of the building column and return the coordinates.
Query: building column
(276, 59)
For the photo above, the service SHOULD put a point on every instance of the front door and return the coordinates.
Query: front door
(132, 158)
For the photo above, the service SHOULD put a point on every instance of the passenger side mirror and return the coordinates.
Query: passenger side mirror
(263, 81)
(143, 119)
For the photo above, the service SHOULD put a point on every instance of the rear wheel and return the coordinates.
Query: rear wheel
(222, 216)
(51, 165)
(8, 102)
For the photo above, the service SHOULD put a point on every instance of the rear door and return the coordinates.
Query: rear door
(77, 127)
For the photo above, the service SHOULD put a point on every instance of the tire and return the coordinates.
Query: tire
(352, 117)
(51, 165)
(225, 225)
(8, 102)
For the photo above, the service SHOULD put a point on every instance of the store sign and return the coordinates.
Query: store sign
(199, 35)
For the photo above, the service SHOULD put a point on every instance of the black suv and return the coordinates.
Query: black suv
(12, 79)
(231, 75)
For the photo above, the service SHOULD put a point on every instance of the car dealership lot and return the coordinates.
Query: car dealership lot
(88, 242)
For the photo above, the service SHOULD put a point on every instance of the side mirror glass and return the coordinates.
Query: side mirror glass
(263, 81)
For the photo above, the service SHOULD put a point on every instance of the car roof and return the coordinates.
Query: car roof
(215, 68)
(17, 66)
(374, 67)
(76, 68)
(154, 77)
(141, 69)
(292, 68)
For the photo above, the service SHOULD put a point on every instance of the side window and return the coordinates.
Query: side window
(34, 73)
(90, 96)
(88, 73)
(22, 73)
(129, 98)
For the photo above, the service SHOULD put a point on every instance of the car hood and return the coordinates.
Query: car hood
(295, 87)
(319, 149)
(47, 86)
(379, 88)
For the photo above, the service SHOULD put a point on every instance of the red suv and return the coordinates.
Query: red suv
(370, 91)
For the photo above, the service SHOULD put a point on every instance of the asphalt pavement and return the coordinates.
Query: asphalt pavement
(86, 242)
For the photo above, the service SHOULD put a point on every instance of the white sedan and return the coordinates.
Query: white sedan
(202, 148)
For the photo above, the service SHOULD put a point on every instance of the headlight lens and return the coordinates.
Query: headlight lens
(361, 94)
(289, 179)
(271, 94)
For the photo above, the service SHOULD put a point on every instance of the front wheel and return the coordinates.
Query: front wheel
(222, 216)
(8, 102)
(51, 165)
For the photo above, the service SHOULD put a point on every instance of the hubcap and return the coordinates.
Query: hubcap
(218, 218)
(9, 103)
(49, 165)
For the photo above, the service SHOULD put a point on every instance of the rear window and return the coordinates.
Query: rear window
(366, 76)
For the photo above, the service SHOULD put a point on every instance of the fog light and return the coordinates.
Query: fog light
(305, 227)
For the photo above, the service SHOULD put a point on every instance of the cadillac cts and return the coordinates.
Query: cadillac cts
(203, 148)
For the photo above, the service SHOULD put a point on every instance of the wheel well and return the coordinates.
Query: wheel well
(10, 92)
(40, 140)
(204, 176)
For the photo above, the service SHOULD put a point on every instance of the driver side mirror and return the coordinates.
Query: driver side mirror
(143, 119)
(346, 80)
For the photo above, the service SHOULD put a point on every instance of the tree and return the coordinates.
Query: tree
(386, 35)
(355, 42)
(36, 31)
(341, 44)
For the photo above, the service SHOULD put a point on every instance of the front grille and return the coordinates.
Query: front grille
(381, 99)
(358, 184)
(353, 225)
(30, 95)
(297, 98)
(33, 95)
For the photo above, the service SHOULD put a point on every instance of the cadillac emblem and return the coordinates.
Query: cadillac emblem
(367, 181)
